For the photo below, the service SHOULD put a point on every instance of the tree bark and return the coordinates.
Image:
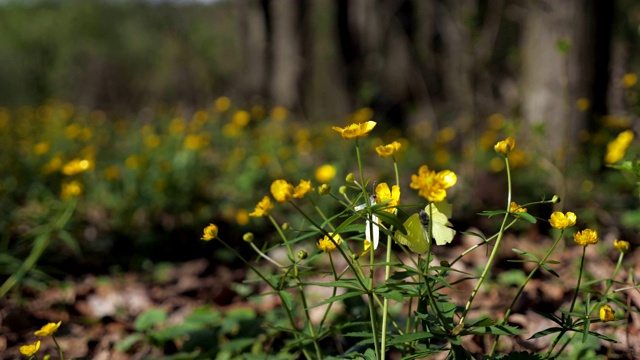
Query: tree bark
(557, 70)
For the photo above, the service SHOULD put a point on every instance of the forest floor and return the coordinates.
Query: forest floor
(97, 312)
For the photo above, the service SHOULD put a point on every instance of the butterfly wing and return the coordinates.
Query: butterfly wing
(441, 231)
(416, 237)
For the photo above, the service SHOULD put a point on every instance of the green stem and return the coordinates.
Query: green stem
(494, 252)
(385, 306)
(292, 321)
(303, 297)
(573, 303)
(60, 353)
(524, 284)
(599, 303)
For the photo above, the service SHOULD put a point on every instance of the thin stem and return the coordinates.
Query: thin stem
(60, 353)
(303, 298)
(495, 248)
(524, 284)
(573, 303)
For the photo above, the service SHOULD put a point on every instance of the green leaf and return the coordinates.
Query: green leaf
(492, 213)
(343, 283)
(410, 337)
(497, 330)
(550, 270)
(340, 297)
(526, 254)
(128, 342)
(286, 299)
(70, 241)
(546, 332)
(528, 217)
(150, 318)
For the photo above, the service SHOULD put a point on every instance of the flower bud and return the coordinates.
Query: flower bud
(286, 226)
(555, 199)
(350, 178)
(504, 147)
(355, 256)
(324, 189)
(302, 255)
(444, 263)
(342, 190)
(248, 237)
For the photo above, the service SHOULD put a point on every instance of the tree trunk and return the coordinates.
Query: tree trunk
(286, 52)
(557, 70)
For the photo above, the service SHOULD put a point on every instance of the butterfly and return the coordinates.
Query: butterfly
(417, 226)
(372, 228)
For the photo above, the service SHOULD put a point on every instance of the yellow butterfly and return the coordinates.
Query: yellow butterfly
(417, 226)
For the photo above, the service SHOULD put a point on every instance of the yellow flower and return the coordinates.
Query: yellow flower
(617, 148)
(70, 188)
(561, 221)
(48, 329)
(622, 246)
(263, 207)
(281, 190)
(30, 350)
(240, 118)
(302, 189)
(392, 197)
(504, 147)
(388, 150)
(432, 185)
(41, 148)
(325, 244)
(325, 173)
(367, 248)
(607, 313)
(242, 217)
(279, 113)
(355, 130)
(210, 232)
(583, 104)
(586, 237)
(76, 166)
(515, 208)
(628, 80)
(222, 104)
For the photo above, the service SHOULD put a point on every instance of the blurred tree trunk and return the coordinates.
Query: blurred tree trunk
(558, 45)
(253, 35)
(286, 51)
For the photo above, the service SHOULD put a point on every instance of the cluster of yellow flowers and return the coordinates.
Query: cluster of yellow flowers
(617, 148)
(47, 330)
(431, 185)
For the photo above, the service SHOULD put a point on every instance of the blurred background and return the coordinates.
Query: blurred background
(185, 111)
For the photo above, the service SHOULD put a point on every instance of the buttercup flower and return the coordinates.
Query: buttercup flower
(515, 208)
(355, 130)
(392, 197)
(30, 350)
(367, 248)
(70, 189)
(325, 244)
(622, 246)
(282, 191)
(432, 185)
(325, 173)
(210, 232)
(48, 329)
(586, 237)
(607, 313)
(388, 150)
(263, 207)
(617, 148)
(630, 79)
(302, 189)
(76, 166)
(324, 189)
(562, 221)
(504, 147)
